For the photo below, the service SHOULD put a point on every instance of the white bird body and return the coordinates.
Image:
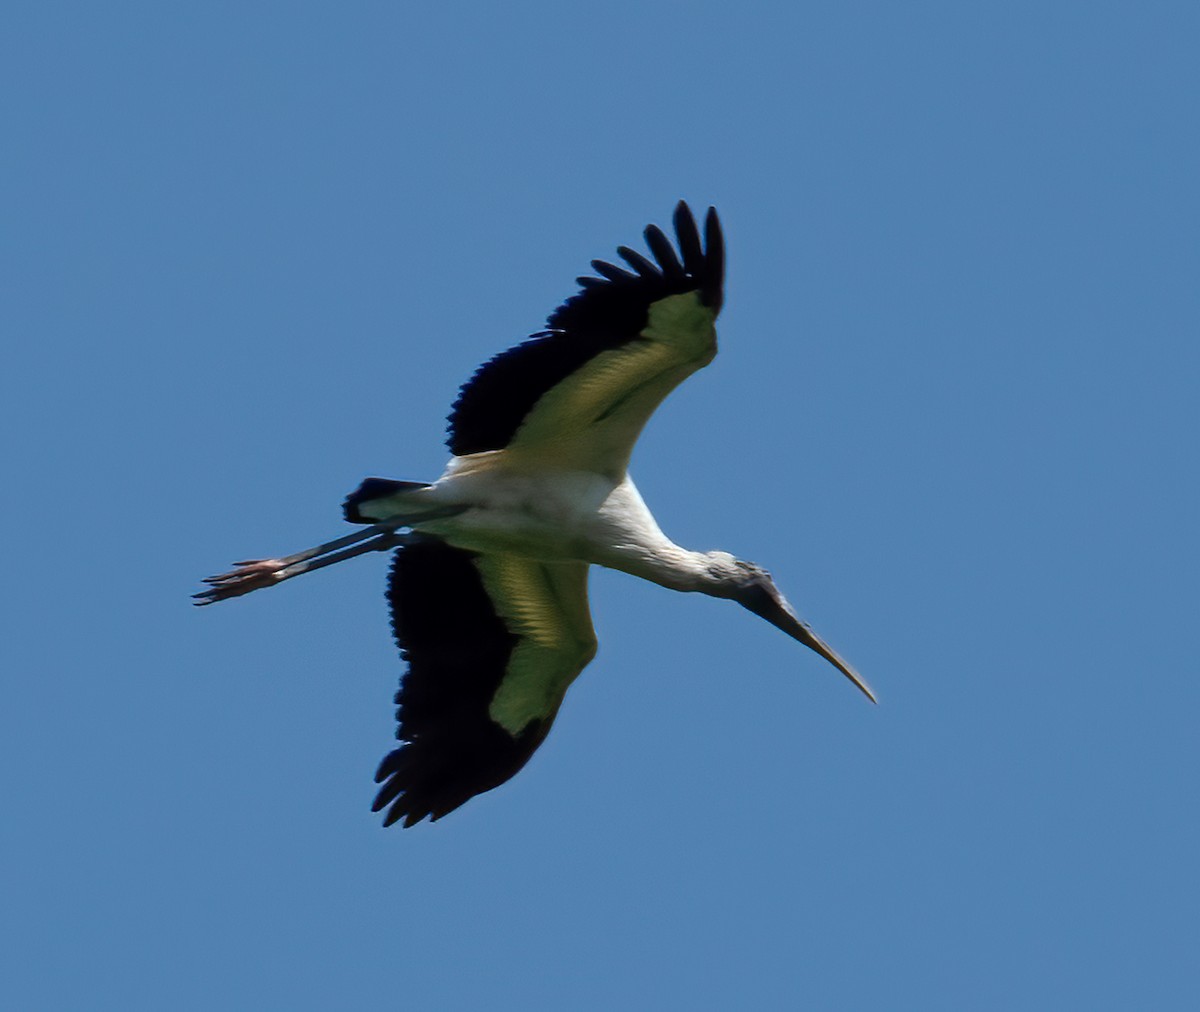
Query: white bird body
(488, 588)
(558, 516)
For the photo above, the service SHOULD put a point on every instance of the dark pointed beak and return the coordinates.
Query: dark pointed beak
(763, 598)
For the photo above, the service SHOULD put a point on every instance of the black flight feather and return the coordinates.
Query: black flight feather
(638, 262)
(608, 313)
(714, 261)
(611, 272)
(689, 242)
(664, 253)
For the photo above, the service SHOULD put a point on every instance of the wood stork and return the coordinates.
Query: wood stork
(488, 587)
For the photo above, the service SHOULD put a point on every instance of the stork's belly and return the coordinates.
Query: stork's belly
(529, 535)
(539, 515)
(552, 516)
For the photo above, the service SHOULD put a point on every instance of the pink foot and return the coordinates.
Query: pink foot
(253, 574)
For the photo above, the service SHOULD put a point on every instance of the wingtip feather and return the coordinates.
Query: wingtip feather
(664, 253)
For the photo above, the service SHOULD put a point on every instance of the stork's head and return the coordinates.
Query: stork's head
(752, 587)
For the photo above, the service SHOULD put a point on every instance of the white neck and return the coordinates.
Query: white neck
(670, 566)
(625, 536)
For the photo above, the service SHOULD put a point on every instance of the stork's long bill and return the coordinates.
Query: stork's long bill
(488, 584)
(765, 600)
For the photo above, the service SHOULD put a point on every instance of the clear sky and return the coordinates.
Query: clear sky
(250, 251)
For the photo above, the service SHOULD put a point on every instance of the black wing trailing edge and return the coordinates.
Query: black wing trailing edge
(457, 649)
(610, 311)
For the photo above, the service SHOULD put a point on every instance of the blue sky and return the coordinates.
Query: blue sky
(251, 251)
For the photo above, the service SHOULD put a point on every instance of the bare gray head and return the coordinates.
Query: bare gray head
(752, 587)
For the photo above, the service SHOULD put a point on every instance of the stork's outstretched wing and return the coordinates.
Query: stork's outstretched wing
(492, 643)
(578, 394)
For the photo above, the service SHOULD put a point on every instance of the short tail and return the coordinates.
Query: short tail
(372, 489)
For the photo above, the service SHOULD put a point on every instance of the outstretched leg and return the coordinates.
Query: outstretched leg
(254, 574)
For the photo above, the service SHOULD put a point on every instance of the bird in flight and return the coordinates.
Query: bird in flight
(488, 583)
